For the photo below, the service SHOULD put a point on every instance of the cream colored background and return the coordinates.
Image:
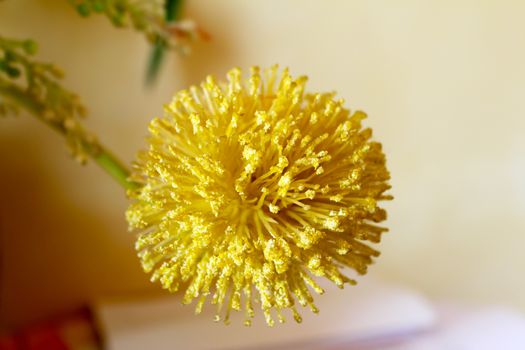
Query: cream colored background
(442, 81)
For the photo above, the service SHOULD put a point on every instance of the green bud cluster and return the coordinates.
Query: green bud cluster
(144, 16)
(33, 85)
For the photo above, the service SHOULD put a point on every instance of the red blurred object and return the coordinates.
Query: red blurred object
(7, 343)
(65, 332)
(43, 338)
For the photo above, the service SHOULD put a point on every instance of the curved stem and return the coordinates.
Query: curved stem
(103, 157)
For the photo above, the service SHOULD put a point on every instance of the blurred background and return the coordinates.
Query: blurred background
(443, 83)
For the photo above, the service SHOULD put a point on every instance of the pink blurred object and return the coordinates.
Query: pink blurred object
(470, 328)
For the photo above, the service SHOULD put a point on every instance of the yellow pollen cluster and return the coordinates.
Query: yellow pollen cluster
(251, 188)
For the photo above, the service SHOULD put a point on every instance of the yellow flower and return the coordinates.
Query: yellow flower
(252, 187)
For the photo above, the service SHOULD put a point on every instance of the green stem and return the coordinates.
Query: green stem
(114, 168)
(103, 157)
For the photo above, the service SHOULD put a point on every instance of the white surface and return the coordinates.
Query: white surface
(352, 316)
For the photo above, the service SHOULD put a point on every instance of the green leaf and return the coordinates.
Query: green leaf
(173, 10)
(155, 60)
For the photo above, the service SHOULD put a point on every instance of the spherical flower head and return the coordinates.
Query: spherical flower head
(251, 188)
